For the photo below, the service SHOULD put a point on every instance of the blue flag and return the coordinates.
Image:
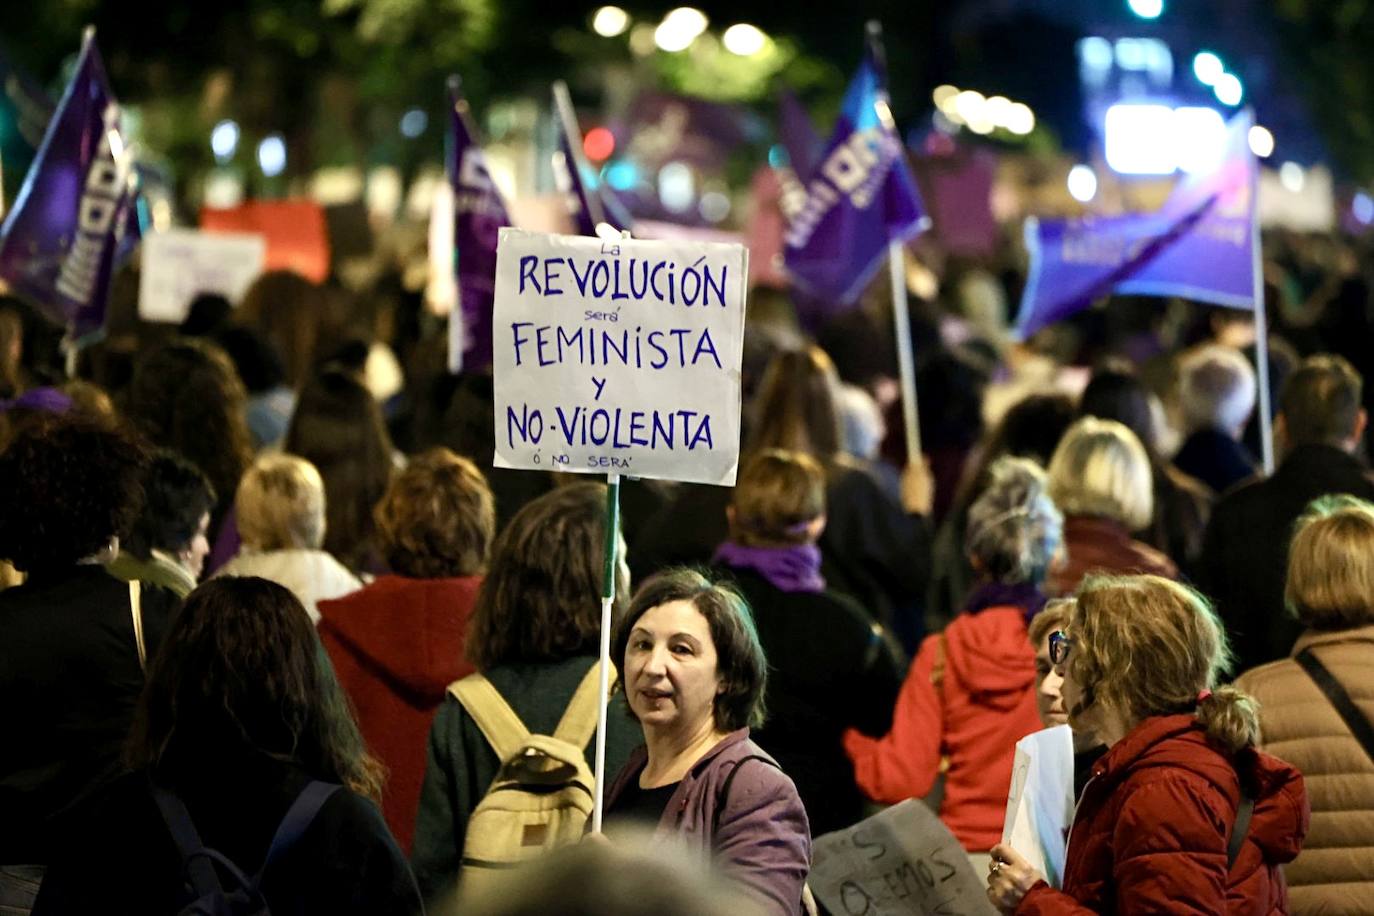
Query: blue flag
(478, 215)
(589, 202)
(74, 218)
(1201, 245)
(860, 197)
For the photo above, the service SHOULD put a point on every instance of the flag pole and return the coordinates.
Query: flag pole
(896, 260)
(568, 118)
(1261, 323)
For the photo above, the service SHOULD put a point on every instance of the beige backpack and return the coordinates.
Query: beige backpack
(542, 794)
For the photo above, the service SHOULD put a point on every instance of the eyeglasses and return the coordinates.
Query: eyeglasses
(1060, 644)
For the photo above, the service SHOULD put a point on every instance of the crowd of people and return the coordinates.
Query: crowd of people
(264, 594)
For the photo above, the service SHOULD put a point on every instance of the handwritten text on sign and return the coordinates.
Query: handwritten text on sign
(900, 862)
(618, 356)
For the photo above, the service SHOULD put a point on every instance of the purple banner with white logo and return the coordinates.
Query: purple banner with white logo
(74, 218)
(478, 215)
(860, 197)
(1199, 246)
(589, 201)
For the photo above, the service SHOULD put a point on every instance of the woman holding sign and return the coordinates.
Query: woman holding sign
(1182, 814)
(694, 676)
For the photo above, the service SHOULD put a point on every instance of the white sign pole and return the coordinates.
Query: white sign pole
(1261, 329)
(906, 364)
(607, 601)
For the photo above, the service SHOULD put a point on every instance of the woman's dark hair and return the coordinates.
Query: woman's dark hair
(176, 496)
(69, 485)
(292, 314)
(338, 427)
(740, 662)
(186, 396)
(241, 669)
(795, 408)
(1031, 428)
(540, 600)
(1115, 393)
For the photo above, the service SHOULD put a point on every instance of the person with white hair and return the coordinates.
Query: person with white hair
(1216, 390)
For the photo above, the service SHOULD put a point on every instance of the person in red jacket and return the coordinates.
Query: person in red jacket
(397, 643)
(970, 694)
(1156, 826)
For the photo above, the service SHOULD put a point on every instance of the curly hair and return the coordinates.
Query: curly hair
(1014, 528)
(186, 396)
(198, 705)
(539, 601)
(69, 485)
(437, 518)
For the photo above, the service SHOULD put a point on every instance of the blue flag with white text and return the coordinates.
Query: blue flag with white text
(1200, 245)
(860, 197)
(74, 219)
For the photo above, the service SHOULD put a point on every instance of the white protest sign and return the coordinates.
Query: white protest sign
(900, 862)
(1040, 803)
(618, 356)
(179, 264)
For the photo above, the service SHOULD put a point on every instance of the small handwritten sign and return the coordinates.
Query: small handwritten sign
(900, 862)
(179, 264)
(1040, 802)
(618, 356)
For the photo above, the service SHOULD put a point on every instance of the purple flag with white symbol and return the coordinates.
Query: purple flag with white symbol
(589, 201)
(478, 215)
(74, 218)
(1200, 245)
(860, 197)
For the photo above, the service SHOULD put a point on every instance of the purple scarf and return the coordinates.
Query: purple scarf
(1024, 595)
(789, 569)
(48, 400)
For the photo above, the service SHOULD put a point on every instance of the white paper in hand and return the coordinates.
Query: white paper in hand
(1040, 804)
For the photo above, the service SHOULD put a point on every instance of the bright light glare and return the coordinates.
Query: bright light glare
(1292, 177)
(272, 155)
(998, 110)
(414, 122)
(971, 108)
(1146, 9)
(1207, 67)
(1095, 52)
(224, 140)
(1140, 139)
(943, 95)
(1363, 207)
(676, 187)
(1200, 138)
(1261, 142)
(610, 21)
(1020, 119)
(1228, 89)
(1082, 183)
(680, 28)
(714, 206)
(744, 39)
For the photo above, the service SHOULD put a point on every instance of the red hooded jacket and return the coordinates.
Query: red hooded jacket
(396, 645)
(1153, 824)
(983, 704)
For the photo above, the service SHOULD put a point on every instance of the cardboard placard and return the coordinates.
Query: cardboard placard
(900, 862)
(179, 264)
(618, 356)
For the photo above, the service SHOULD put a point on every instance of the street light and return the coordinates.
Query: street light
(610, 21)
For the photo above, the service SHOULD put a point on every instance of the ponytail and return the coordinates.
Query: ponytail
(1230, 717)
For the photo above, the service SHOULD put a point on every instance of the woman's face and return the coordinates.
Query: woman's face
(198, 548)
(670, 669)
(1049, 682)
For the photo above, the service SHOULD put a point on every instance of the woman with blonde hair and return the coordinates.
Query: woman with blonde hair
(280, 512)
(1316, 706)
(1101, 480)
(1182, 814)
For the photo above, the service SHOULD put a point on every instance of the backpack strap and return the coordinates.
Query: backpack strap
(725, 788)
(297, 820)
(1239, 829)
(136, 609)
(1356, 721)
(499, 724)
(198, 864)
(579, 720)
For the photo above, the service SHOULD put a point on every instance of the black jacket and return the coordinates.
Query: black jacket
(830, 668)
(120, 858)
(1245, 551)
(1215, 459)
(69, 681)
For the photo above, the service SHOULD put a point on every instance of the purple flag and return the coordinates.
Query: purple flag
(797, 135)
(74, 218)
(1200, 245)
(588, 200)
(478, 215)
(861, 197)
